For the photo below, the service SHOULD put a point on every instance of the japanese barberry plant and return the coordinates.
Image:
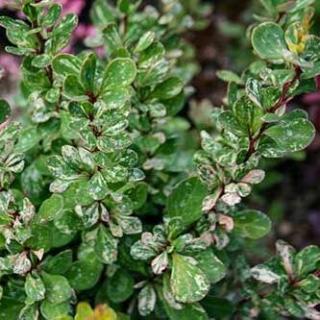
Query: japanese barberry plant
(109, 206)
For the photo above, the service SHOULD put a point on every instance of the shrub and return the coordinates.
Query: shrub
(105, 195)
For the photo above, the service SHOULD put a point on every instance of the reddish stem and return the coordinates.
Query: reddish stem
(284, 98)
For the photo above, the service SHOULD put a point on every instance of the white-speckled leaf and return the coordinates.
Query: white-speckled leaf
(57, 287)
(120, 72)
(130, 225)
(186, 201)
(254, 176)
(106, 246)
(307, 260)
(66, 64)
(252, 224)
(264, 274)
(145, 41)
(160, 263)
(98, 187)
(188, 282)
(292, 135)
(287, 253)
(212, 266)
(146, 300)
(51, 208)
(268, 41)
(34, 288)
(88, 215)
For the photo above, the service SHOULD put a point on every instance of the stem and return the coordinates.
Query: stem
(41, 50)
(284, 99)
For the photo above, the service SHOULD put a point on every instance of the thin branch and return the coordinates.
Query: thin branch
(284, 99)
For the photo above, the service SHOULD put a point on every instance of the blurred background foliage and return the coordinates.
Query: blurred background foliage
(291, 192)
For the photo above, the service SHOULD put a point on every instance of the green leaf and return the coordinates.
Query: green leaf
(53, 95)
(229, 76)
(138, 195)
(265, 273)
(29, 312)
(292, 135)
(57, 287)
(10, 23)
(218, 308)
(120, 72)
(252, 224)
(217, 269)
(60, 169)
(53, 311)
(66, 64)
(310, 284)
(151, 57)
(294, 307)
(145, 41)
(112, 38)
(18, 51)
(270, 6)
(185, 201)
(147, 300)
(167, 89)
(188, 282)
(84, 274)
(98, 187)
(68, 223)
(62, 33)
(34, 288)
(301, 4)
(228, 121)
(120, 286)
(72, 88)
(5, 111)
(29, 138)
(142, 251)
(51, 208)
(41, 61)
(118, 142)
(18, 33)
(41, 237)
(30, 11)
(187, 312)
(130, 225)
(88, 73)
(114, 99)
(58, 264)
(248, 115)
(106, 246)
(52, 16)
(128, 6)
(84, 311)
(253, 91)
(88, 215)
(307, 260)
(268, 41)
(9, 308)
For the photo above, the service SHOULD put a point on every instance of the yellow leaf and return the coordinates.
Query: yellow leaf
(103, 312)
(84, 311)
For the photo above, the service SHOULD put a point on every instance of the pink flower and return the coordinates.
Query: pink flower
(9, 64)
(72, 6)
(83, 31)
(9, 3)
